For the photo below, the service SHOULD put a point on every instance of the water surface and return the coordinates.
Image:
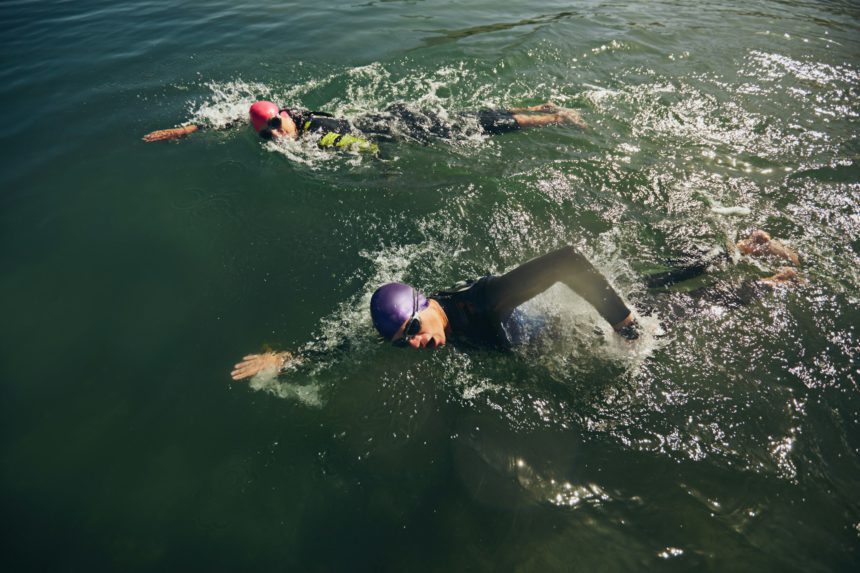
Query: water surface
(136, 274)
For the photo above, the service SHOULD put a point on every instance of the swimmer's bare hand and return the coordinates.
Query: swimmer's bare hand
(254, 363)
(168, 134)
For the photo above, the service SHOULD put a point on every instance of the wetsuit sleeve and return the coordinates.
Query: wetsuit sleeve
(565, 265)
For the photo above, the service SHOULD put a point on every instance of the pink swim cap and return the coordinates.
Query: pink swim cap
(261, 112)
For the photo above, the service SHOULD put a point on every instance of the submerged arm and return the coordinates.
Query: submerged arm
(564, 265)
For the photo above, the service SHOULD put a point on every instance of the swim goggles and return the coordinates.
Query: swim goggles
(272, 124)
(413, 325)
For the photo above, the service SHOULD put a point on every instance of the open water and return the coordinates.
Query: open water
(135, 275)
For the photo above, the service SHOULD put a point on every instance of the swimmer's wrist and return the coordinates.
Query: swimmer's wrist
(286, 358)
(628, 328)
(628, 320)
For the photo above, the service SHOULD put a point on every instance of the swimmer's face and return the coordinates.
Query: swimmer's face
(278, 126)
(431, 334)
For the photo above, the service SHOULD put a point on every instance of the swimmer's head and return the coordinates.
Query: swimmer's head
(392, 305)
(265, 116)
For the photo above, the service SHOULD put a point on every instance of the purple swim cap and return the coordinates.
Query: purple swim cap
(391, 306)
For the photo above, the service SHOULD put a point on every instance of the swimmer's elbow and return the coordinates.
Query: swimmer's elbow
(570, 252)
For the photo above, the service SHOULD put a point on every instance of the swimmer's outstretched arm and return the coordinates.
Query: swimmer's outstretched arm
(169, 134)
(255, 363)
(565, 265)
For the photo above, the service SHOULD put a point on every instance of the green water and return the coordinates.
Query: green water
(135, 275)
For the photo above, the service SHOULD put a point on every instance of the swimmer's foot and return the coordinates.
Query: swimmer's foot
(780, 250)
(546, 107)
(547, 116)
(782, 276)
(754, 245)
(760, 243)
(570, 116)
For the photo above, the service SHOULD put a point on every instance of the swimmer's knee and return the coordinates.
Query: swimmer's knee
(571, 254)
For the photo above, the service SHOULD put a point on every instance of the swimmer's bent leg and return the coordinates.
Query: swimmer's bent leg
(690, 270)
(564, 265)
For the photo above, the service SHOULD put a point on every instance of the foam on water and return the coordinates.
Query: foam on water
(228, 103)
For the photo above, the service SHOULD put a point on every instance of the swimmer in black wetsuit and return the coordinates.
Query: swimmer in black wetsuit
(476, 313)
(398, 120)
(401, 120)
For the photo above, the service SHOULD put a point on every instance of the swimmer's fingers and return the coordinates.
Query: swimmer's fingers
(250, 365)
(254, 363)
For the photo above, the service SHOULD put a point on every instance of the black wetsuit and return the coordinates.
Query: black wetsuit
(477, 310)
(423, 125)
(317, 121)
(397, 120)
(400, 120)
